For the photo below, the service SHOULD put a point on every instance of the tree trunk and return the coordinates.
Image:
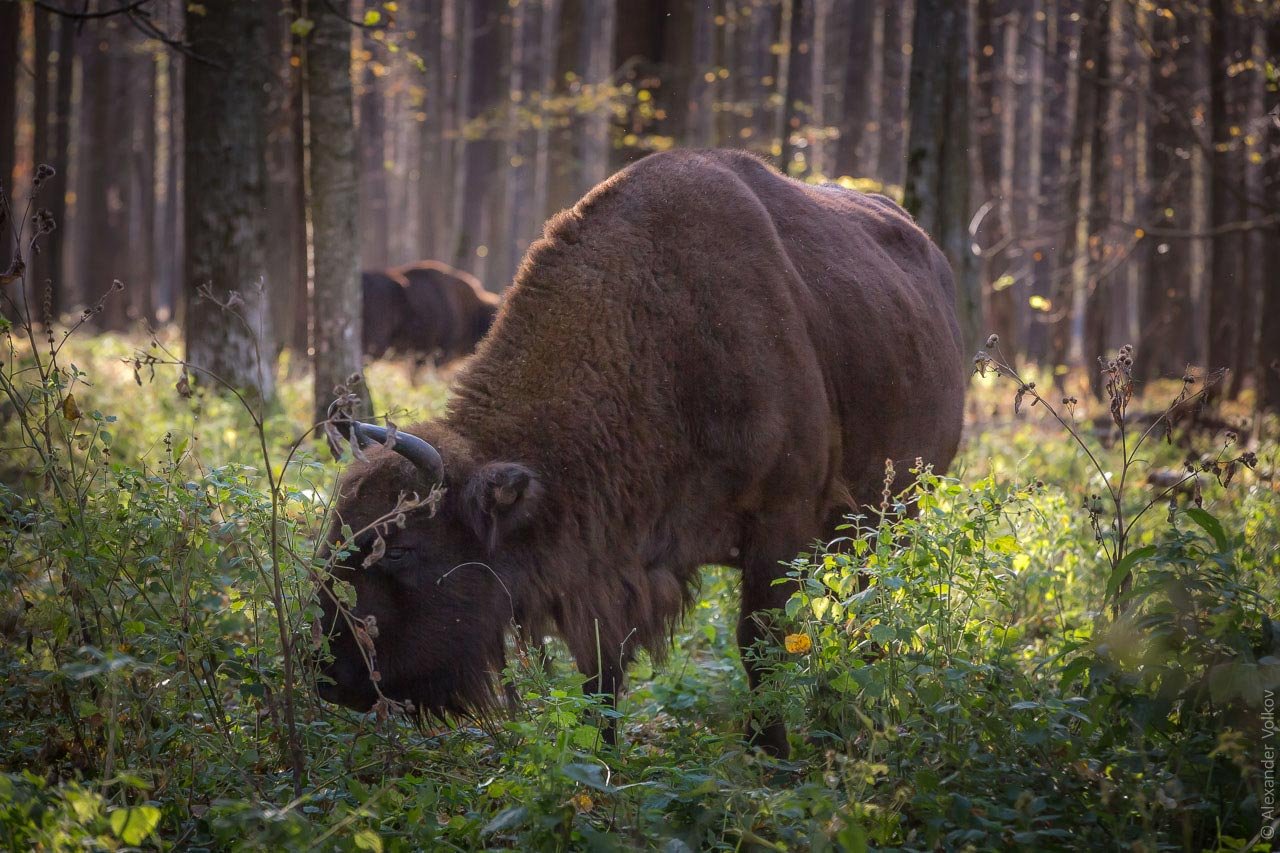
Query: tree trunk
(797, 88)
(10, 17)
(486, 92)
(1097, 250)
(1268, 359)
(1073, 270)
(333, 201)
(225, 180)
(1167, 342)
(938, 169)
(375, 219)
(54, 195)
(1228, 346)
(38, 280)
(893, 95)
(857, 89)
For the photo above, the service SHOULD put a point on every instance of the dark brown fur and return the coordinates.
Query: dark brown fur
(701, 362)
(428, 310)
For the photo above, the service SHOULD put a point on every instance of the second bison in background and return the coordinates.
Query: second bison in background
(702, 362)
(428, 310)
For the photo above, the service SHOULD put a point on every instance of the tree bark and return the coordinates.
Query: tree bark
(10, 19)
(1268, 359)
(486, 92)
(797, 88)
(1228, 346)
(224, 216)
(1167, 341)
(374, 192)
(937, 190)
(857, 89)
(893, 95)
(333, 198)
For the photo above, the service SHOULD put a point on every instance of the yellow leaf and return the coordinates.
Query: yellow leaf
(70, 410)
(1039, 303)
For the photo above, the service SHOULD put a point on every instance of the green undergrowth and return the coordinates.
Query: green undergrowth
(977, 673)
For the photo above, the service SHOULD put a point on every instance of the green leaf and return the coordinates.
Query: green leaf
(132, 825)
(1125, 567)
(372, 18)
(367, 839)
(1211, 526)
(506, 819)
(302, 27)
(591, 775)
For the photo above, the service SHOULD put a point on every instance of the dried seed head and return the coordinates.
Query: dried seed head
(993, 341)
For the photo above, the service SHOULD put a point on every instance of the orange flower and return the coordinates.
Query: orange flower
(798, 644)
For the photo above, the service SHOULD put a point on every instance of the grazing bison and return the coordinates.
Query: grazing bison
(701, 362)
(428, 309)
(385, 313)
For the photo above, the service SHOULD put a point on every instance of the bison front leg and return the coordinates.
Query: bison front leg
(757, 637)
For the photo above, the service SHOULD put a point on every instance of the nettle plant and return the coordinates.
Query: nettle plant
(1115, 512)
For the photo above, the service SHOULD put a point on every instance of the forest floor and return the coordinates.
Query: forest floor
(999, 672)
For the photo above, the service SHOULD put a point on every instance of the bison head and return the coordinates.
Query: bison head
(435, 576)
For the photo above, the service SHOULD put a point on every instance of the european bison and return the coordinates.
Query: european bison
(428, 309)
(701, 362)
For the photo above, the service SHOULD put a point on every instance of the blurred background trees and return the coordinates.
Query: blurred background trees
(1100, 172)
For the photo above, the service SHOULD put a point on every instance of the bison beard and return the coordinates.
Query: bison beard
(701, 362)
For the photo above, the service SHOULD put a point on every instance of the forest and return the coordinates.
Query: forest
(229, 227)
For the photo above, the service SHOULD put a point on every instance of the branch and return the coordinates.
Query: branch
(87, 16)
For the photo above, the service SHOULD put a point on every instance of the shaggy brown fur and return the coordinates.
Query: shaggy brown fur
(701, 362)
(451, 310)
(429, 310)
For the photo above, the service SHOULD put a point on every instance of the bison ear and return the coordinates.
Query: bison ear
(500, 499)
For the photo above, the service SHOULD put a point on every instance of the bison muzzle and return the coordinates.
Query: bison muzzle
(703, 361)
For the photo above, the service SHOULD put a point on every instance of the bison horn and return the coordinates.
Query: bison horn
(423, 456)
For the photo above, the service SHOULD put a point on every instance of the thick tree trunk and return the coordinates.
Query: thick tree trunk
(286, 250)
(106, 166)
(225, 214)
(893, 94)
(937, 190)
(857, 89)
(335, 304)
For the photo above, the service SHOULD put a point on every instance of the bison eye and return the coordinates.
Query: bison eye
(395, 555)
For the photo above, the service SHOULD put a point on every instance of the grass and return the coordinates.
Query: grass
(973, 677)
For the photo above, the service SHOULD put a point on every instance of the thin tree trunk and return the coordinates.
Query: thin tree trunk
(797, 88)
(55, 194)
(10, 19)
(38, 265)
(1268, 358)
(1227, 345)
